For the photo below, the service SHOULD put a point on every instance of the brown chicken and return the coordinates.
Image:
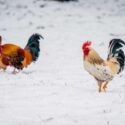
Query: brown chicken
(17, 57)
(104, 70)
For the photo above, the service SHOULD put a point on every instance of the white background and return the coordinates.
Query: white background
(56, 90)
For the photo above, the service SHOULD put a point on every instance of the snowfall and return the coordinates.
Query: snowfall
(56, 90)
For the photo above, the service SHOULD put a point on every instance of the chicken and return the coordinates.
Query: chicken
(17, 57)
(104, 70)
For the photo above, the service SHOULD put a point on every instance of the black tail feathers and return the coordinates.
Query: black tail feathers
(33, 45)
(117, 50)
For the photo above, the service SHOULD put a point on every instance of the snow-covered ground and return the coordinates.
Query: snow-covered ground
(56, 90)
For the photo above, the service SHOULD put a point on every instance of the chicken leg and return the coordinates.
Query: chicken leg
(105, 86)
(99, 86)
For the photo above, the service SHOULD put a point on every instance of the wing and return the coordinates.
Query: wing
(13, 55)
(95, 65)
(94, 57)
(100, 72)
(9, 49)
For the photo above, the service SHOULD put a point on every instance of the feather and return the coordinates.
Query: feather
(14, 55)
(94, 57)
(117, 51)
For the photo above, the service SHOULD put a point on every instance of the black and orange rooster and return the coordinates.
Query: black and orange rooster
(17, 57)
(104, 70)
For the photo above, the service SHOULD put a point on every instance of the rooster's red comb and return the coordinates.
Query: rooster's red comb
(87, 43)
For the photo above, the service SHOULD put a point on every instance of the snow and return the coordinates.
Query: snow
(56, 90)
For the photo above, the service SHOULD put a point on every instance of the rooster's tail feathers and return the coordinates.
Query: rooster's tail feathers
(33, 45)
(117, 50)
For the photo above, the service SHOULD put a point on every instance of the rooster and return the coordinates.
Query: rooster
(104, 70)
(17, 57)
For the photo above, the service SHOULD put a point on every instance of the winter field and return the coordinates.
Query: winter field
(56, 90)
